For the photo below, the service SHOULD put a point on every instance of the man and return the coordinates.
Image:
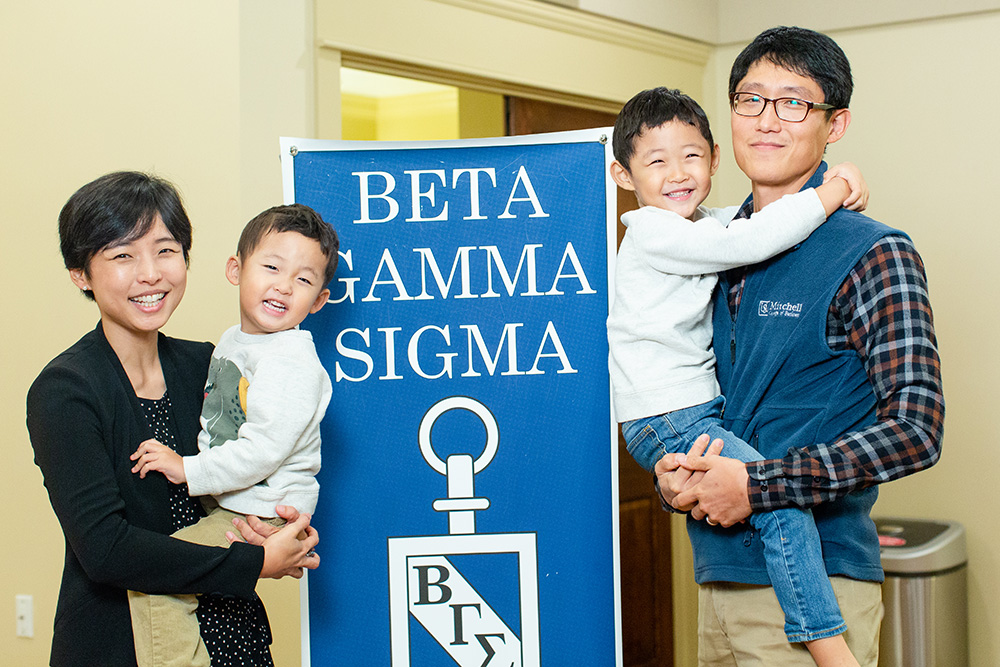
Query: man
(828, 361)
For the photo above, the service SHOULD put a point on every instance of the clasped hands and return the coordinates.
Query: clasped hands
(289, 550)
(707, 485)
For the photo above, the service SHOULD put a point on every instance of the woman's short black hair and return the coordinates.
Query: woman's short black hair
(120, 206)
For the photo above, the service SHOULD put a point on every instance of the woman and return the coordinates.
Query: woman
(125, 239)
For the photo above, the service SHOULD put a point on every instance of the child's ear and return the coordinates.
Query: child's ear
(233, 270)
(320, 301)
(621, 176)
(716, 156)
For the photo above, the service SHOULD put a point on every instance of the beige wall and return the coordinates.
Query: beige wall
(737, 21)
(199, 92)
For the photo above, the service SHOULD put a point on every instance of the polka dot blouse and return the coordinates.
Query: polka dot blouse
(235, 630)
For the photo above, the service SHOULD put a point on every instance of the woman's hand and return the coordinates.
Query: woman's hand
(254, 531)
(287, 550)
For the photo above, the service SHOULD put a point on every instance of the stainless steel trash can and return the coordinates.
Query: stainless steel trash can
(926, 621)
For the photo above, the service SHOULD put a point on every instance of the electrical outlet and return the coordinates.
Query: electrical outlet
(24, 608)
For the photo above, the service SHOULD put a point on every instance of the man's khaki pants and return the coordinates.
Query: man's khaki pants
(742, 625)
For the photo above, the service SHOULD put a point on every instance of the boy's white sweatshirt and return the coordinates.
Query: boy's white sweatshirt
(660, 326)
(278, 382)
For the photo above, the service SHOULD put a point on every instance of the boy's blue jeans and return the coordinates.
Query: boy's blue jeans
(791, 543)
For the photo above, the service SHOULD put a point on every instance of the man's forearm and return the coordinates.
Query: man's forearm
(823, 473)
(883, 314)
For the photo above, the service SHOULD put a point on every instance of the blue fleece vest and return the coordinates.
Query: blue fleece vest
(785, 388)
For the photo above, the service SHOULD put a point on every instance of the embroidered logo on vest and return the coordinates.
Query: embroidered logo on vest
(778, 309)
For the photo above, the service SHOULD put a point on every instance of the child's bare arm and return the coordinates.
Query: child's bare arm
(153, 456)
(843, 185)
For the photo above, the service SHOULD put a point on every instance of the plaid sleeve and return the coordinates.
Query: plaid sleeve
(882, 312)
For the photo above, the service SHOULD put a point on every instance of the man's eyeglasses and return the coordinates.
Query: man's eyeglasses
(789, 109)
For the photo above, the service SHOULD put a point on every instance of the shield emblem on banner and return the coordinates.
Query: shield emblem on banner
(434, 593)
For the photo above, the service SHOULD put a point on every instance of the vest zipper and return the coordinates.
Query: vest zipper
(734, 314)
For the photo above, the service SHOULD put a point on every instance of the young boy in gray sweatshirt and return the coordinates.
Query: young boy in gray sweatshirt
(266, 394)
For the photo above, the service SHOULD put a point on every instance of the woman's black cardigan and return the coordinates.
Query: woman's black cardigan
(84, 421)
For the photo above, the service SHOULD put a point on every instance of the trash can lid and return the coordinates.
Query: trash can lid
(913, 546)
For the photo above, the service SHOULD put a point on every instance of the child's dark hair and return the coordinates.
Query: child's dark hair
(650, 109)
(293, 218)
(118, 207)
(807, 53)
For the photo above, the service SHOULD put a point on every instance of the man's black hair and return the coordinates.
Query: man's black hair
(805, 52)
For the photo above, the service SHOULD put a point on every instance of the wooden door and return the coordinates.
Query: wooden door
(647, 612)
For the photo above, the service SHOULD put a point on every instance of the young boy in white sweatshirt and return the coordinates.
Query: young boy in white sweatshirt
(265, 397)
(660, 326)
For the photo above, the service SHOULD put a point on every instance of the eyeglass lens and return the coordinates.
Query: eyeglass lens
(790, 109)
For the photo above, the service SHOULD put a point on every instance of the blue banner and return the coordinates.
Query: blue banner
(468, 504)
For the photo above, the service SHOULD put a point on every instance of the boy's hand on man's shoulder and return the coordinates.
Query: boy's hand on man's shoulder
(857, 200)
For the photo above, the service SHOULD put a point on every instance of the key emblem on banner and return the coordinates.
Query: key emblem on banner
(441, 586)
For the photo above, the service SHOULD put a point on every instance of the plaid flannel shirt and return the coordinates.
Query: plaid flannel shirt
(882, 312)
